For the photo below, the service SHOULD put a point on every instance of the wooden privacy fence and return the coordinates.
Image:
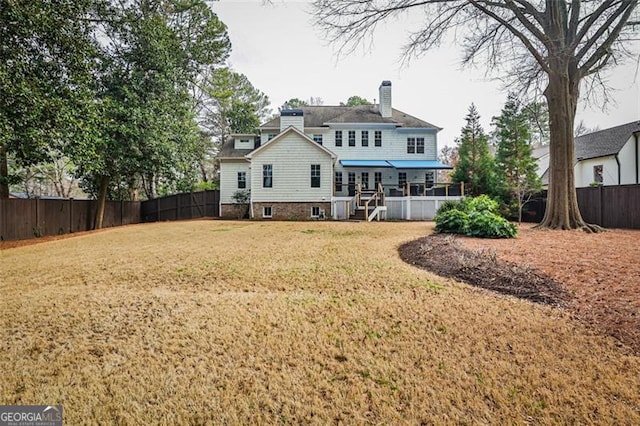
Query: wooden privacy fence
(189, 205)
(36, 217)
(611, 206)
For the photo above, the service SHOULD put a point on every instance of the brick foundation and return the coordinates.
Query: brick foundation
(229, 211)
(290, 211)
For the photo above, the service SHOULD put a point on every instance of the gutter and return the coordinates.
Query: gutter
(619, 171)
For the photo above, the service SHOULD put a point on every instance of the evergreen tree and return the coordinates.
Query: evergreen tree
(515, 166)
(475, 164)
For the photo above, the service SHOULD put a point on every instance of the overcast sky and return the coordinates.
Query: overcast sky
(277, 47)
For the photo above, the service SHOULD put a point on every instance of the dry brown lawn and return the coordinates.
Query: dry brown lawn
(261, 323)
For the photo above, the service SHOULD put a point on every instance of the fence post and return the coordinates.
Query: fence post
(600, 193)
(70, 215)
(37, 230)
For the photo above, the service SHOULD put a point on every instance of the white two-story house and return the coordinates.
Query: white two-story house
(320, 161)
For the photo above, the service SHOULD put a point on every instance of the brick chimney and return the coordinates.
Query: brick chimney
(385, 99)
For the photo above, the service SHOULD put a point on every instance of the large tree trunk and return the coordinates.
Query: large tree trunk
(102, 201)
(4, 172)
(562, 203)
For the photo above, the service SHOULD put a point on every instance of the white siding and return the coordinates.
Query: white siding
(628, 162)
(296, 121)
(394, 145)
(292, 158)
(229, 178)
(583, 171)
(245, 142)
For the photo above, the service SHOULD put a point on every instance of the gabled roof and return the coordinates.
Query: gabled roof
(604, 142)
(285, 132)
(322, 116)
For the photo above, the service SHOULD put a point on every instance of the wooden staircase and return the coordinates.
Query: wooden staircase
(368, 204)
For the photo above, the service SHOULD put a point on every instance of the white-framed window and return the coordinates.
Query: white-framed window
(338, 138)
(429, 178)
(411, 145)
(352, 183)
(352, 138)
(267, 212)
(317, 139)
(267, 176)
(364, 138)
(598, 174)
(377, 138)
(377, 179)
(419, 145)
(402, 178)
(270, 136)
(364, 178)
(338, 182)
(242, 180)
(315, 211)
(315, 175)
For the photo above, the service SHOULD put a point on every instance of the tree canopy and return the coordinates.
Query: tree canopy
(475, 163)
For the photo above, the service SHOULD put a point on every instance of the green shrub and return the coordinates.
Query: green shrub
(484, 224)
(452, 221)
(483, 203)
(452, 205)
(475, 217)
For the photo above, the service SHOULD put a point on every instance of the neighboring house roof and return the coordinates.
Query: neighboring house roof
(540, 152)
(604, 142)
(285, 132)
(322, 116)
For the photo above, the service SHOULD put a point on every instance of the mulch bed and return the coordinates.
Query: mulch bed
(444, 256)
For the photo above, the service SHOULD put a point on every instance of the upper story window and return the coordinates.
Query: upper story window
(598, 174)
(270, 136)
(415, 145)
(352, 138)
(338, 137)
(377, 137)
(242, 180)
(315, 175)
(411, 145)
(267, 175)
(364, 138)
(317, 139)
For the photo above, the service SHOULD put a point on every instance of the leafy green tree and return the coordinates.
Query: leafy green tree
(236, 106)
(144, 125)
(475, 164)
(46, 52)
(516, 169)
(355, 101)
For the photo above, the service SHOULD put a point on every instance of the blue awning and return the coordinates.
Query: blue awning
(364, 163)
(418, 164)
